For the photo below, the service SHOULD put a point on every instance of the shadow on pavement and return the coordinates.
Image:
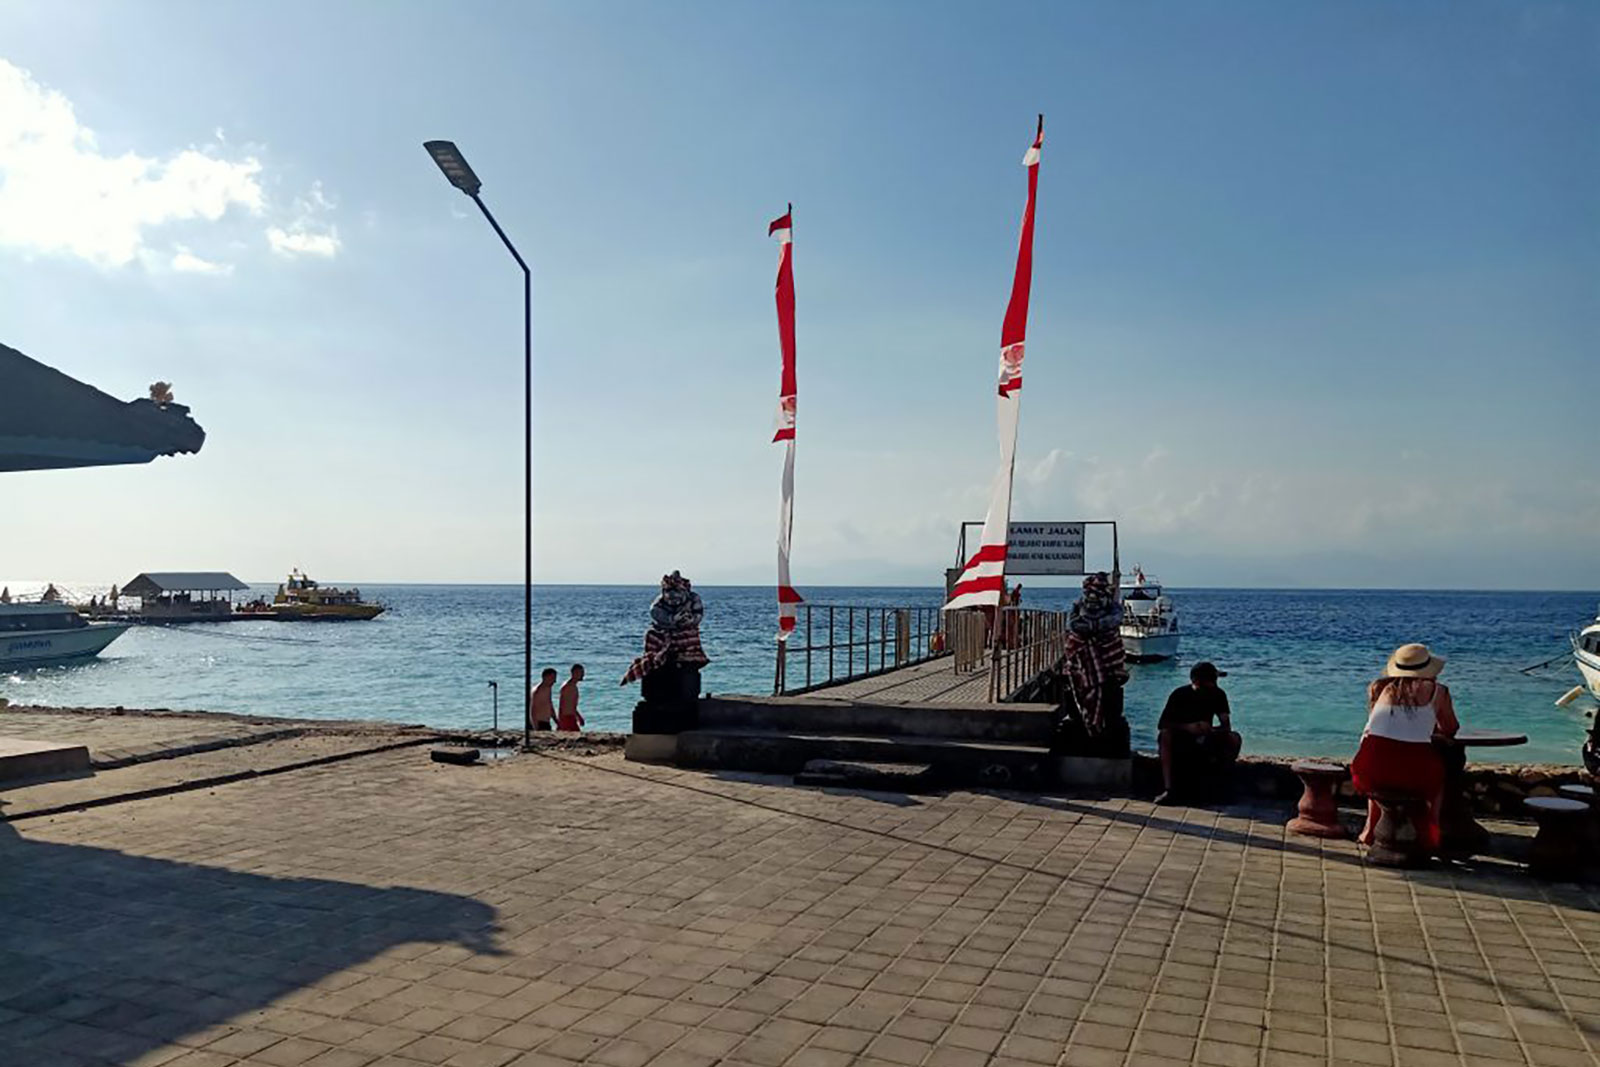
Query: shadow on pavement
(105, 956)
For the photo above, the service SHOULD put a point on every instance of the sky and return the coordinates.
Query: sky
(1315, 303)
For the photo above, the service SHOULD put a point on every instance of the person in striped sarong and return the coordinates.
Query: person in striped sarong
(1094, 669)
(674, 634)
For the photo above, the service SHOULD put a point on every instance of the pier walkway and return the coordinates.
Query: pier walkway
(933, 681)
(557, 911)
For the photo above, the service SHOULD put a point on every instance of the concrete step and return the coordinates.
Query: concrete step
(857, 774)
(1023, 723)
(953, 761)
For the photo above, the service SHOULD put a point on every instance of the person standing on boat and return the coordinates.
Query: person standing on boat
(568, 720)
(1409, 713)
(541, 709)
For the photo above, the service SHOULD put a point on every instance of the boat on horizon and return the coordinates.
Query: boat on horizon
(1149, 620)
(42, 633)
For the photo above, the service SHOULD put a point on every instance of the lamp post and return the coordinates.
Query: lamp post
(459, 173)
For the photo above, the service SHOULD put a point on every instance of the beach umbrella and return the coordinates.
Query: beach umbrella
(50, 421)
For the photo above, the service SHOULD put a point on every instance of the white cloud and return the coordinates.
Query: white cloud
(60, 194)
(186, 262)
(299, 243)
(307, 234)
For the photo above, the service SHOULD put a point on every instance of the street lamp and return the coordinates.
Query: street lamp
(460, 174)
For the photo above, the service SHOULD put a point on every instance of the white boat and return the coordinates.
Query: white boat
(1586, 651)
(41, 633)
(1149, 620)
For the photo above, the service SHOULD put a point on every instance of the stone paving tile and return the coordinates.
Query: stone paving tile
(551, 912)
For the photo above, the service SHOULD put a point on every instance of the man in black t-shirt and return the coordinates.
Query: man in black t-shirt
(1196, 722)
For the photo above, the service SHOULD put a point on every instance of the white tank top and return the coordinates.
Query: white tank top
(1399, 722)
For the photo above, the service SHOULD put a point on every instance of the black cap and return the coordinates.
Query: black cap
(1205, 671)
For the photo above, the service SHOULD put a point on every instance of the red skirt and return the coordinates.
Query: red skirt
(1383, 763)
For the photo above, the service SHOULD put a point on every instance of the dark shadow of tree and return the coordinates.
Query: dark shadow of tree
(105, 956)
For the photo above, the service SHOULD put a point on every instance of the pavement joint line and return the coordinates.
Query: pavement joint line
(1071, 876)
(213, 781)
(195, 748)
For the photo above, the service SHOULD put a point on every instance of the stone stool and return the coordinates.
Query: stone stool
(1319, 804)
(1586, 795)
(1559, 847)
(1394, 838)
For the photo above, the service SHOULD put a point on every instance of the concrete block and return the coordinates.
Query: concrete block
(39, 759)
(651, 748)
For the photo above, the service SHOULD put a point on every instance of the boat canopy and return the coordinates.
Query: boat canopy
(50, 421)
(155, 583)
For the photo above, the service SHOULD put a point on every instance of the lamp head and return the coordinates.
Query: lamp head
(454, 165)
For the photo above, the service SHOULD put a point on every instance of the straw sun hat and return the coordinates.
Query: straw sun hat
(1413, 661)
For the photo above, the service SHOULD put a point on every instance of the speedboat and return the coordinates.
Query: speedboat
(302, 598)
(45, 632)
(1586, 651)
(1149, 620)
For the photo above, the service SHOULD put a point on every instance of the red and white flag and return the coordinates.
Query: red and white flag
(983, 576)
(781, 228)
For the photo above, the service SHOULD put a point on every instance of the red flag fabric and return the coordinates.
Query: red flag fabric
(982, 578)
(782, 228)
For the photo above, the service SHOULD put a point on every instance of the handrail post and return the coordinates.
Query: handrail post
(808, 646)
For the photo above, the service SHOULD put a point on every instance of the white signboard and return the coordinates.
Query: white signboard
(1044, 548)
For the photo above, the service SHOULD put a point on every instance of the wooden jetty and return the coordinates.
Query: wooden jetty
(173, 596)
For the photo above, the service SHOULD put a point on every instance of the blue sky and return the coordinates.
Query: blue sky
(1316, 295)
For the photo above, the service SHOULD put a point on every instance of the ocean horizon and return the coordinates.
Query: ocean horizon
(1298, 659)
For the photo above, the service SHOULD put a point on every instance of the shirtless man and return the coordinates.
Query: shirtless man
(569, 721)
(541, 709)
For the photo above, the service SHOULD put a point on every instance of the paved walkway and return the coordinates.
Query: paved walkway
(545, 912)
(116, 738)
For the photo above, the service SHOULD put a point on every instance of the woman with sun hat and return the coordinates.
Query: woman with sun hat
(1408, 712)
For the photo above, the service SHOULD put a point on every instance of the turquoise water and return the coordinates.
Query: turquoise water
(1299, 659)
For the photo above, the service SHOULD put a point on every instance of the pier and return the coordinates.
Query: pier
(890, 693)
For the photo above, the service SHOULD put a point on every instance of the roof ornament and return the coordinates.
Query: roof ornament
(161, 393)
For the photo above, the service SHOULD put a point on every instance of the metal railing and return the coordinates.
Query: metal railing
(1027, 642)
(832, 643)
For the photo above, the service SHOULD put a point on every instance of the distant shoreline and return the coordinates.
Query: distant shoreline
(934, 587)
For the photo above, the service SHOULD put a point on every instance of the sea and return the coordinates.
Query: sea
(1297, 660)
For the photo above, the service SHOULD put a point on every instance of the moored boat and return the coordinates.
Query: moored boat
(48, 632)
(1586, 652)
(302, 598)
(1149, 620)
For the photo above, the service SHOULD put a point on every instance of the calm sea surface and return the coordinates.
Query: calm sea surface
(1298, 659)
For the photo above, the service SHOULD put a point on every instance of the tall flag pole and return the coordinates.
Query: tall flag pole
(983, 576)
(782, 229)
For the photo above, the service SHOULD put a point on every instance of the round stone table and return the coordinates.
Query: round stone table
(1319, 803)
(1460, 835)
